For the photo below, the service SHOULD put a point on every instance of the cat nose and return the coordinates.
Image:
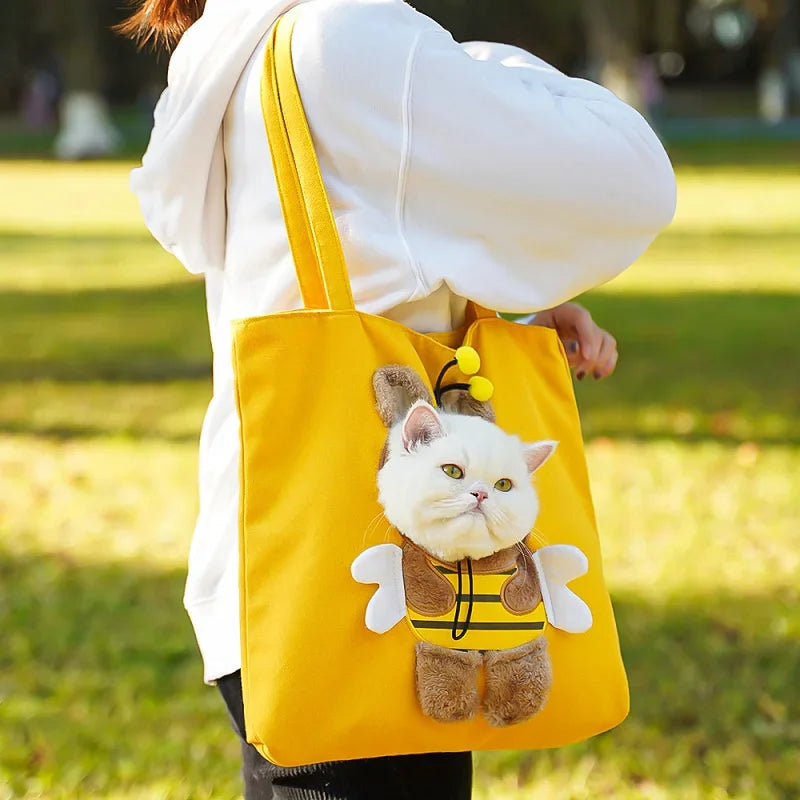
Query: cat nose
(480, 495)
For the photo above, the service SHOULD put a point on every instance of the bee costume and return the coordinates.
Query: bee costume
(489, 613)
(492, 604)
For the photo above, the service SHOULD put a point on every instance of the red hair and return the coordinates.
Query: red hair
(161, 22)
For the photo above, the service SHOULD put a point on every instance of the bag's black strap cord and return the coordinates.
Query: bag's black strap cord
(455, 632)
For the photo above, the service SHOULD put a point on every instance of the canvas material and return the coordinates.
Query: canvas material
(318, 685)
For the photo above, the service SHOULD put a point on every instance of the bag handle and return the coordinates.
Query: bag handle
(313, 237)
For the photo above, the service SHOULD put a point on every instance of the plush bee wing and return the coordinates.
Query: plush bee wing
(557, 565)
(382, 564)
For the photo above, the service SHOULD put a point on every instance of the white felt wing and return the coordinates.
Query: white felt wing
(557, 565)
(382, 564)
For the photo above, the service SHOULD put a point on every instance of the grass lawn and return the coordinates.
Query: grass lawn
(694, 451)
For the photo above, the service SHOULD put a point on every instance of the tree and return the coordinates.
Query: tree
(613, 34)
(780, 73)
(86, 130)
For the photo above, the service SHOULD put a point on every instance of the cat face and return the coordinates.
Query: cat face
(459, 486)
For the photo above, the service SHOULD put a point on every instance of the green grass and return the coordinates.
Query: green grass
(694, 450)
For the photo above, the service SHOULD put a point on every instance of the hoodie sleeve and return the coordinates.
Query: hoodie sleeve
(547, 185)
(517, 186)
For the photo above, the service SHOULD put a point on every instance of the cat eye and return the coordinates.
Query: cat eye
(453, 471)
(504, 485)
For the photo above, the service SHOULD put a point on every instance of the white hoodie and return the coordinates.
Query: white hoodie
(454, 171)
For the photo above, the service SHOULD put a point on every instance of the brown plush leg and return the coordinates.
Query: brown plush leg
(518, 682)
(447, 682)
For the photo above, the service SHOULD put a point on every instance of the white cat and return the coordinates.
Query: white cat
(459, 486)
(458, 490)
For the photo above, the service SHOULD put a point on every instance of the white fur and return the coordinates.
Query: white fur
(438, 512)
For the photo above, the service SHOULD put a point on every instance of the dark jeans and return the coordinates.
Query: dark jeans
(443, 776)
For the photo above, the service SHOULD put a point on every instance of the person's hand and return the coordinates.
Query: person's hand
(590, 349)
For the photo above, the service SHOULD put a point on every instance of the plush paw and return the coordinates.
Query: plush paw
(518, 683)
(447, 682)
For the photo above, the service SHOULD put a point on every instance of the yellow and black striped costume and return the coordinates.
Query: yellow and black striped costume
(479, 620)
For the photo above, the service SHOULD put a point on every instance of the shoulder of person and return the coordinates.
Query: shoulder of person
(361, 35)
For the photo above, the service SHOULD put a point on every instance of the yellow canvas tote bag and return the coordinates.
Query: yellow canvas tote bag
(319, 685)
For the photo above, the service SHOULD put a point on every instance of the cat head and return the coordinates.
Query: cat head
(458, 485)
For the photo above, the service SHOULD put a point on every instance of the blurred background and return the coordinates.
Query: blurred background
(693, 446)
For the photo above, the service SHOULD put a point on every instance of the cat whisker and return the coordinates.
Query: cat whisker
(452, 507)
(387, 533)
(370, 529)
(498, 516)
(450, 501)
(375, 519)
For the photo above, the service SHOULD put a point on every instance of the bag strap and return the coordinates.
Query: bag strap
(313, 237)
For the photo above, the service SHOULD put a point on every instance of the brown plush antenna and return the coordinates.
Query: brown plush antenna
(396, 390)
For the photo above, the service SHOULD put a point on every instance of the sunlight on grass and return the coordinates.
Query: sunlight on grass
(64, 262)
(733, 231)
(724, 199)
(74, 226)
(98, 501)
(726, 524)
(693, 448)
(168, 410)
(46, 197)
(717, 262)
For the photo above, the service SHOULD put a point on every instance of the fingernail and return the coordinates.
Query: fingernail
(572, 347)
(597, 376)
(580, 376)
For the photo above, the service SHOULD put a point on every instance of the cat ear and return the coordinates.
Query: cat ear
(421, 426)
(396, 390)
(537, 453)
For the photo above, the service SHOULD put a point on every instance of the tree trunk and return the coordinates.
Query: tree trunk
(614, 46)
(86, 129)
(779, 78)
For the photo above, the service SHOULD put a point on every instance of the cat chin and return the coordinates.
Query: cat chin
(456, 542)
(473, 551)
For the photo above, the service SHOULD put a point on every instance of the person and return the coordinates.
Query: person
(456, 172)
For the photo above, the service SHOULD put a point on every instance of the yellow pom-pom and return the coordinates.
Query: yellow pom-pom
(469, 362)
(480, 388)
